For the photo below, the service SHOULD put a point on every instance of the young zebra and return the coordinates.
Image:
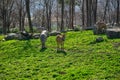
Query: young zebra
(60, 41)
(43, 38)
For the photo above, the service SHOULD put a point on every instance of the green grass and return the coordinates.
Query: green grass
(83, 59)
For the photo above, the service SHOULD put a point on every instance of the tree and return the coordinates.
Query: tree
(5, 11)
(118, 12)
(21, 12)
(62, 15)
(91, 12)
(106, 6)
(57, 14)
(94, 7)
(48, 7)
(71, 13)
(83, 13)
(88, 10)
(27, 2)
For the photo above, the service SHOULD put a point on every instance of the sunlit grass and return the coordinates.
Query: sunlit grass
(83, 59)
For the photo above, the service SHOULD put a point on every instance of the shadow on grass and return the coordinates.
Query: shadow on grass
(42, 49)
(27, 45)
(63, 52)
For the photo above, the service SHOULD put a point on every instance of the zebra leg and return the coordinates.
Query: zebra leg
(43, 45)
(58, 47)
(62, 46)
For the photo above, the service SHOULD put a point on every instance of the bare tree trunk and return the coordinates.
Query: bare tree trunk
(28, 14)
(43, 18)
(70, 14)
(94, 11)
(20, 16)
(4, 21)
(88, 9)
(91, 11)
(83, 14)
(57, 17)
(118, 12)
(48, 5)
(8, 17)
(49, 17)
(22, 22)
(73, 11)
(21, 13)
(62, 15)
(107, 3)
(47, 14)
(6, 14)
(4, 18)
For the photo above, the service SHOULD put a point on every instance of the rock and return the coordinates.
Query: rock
(25, 35)
(54, 33)
(11, 36)
(36, 36)
(89, 28)
(76, 29)
(113, 33)
(19, 36)
(99, 39)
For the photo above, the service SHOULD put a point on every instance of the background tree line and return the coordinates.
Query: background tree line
(56, 14)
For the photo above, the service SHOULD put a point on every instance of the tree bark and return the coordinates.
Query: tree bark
(62, 15)
(118, 12)
(83, 14)
(88, 9)
(73, 11)
(28, 14)
(94, 11)
(106, 5)
(48, 5)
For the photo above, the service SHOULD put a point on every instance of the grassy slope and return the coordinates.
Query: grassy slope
(83, 59)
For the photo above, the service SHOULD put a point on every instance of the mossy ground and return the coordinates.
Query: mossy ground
(83, 59)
